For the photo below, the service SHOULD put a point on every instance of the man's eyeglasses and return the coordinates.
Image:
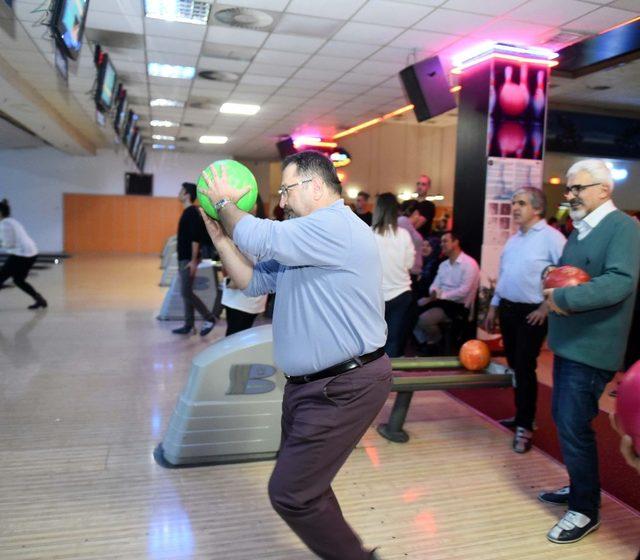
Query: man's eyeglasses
(284, 189)
(575, 190)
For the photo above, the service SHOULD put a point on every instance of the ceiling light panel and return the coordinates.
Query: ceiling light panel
(213, 139)
(239, 109)
(171, 71)
(183, 11)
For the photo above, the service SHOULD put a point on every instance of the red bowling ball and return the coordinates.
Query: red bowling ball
(566, 276)
(628, 404)
(475, 355)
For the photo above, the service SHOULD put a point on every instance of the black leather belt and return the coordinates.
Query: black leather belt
(342, 367)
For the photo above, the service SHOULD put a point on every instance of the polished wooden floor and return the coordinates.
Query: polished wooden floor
(87, 387)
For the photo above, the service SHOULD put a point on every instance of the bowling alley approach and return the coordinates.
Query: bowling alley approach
(335, 279)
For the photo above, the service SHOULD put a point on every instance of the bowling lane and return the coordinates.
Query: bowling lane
(80, 421)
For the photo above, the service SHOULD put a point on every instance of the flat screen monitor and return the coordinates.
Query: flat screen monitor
(119, 119)
(133, 138)
(427, 87)
(68, 19)
(106, 84)
(141, 159)
(137, 144)
(138, 183)
(130, 128)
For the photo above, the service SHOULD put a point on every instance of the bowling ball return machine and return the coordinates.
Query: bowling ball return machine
(230, 408)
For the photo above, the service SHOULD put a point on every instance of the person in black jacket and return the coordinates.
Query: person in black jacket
(191, 233)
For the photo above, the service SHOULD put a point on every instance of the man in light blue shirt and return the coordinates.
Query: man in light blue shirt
(519, 301)
(328, 331)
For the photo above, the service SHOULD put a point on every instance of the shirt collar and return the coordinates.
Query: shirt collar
(540, 224)
(595, 217)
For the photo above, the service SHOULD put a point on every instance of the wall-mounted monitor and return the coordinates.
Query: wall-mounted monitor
(137, 145)
(142, 159)
(427, 87)
(138, 183)
(130, 128)
(121, 103)
(67, 21)
(106, 84)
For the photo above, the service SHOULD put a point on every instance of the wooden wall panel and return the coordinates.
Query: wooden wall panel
(112, 224)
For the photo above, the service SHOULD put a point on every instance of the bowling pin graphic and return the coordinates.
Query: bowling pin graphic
(524, 84)
(511, 99)
(492, 93)
(538, 96)
(536, 140)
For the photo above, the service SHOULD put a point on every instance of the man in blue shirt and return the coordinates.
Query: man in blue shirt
(328, 333)
(519, 301)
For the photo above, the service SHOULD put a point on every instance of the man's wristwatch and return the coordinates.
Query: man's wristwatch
(221, 204)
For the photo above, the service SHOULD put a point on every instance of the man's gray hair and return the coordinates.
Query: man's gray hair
(536, 197)
(596, 168)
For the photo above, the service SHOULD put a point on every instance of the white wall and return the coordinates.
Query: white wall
(34, 181)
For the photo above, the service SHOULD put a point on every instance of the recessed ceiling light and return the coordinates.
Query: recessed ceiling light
(167, 124)
(213, 139)
(163, 146)
(163, 137)
(239, 109)
(171, 71)
(166, 103)
(185, 11)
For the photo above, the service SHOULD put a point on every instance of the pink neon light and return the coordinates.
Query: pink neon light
(547, 63)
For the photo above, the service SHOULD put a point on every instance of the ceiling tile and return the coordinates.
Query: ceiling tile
(376, 67)
(235, 36)
(338, 9)
(488, 7)
(114, 22)
(318, 74)
(551, 12)
(384, 12)
(276, 5)
(354, 50)
(222, 64)
(282, 42)
(174, 29)
(232, 52)
(167, 44)
(423, 41)
(271, 69)
(367, 33)
(512, 31)
(258, 80)
(129, 7)
(458, 23)
(331, 63)
(281, 57)
(362, 79)
(307, 26)
(600, 19)
(403, 57)
(172, 58)
(632, 5)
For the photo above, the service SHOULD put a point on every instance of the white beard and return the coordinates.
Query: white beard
(577, 215)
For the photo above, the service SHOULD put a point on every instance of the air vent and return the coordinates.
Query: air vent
(564, 38)
(598, 88)
(217, 76)
(244, 18)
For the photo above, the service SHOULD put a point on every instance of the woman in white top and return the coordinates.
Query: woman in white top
(241, 310)
(22, 254)
(397, 254)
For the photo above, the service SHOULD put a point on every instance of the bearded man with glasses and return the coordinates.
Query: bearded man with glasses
(328, 336)
(588, 329)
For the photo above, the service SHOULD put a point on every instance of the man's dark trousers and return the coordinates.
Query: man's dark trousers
(522, 344)
(322, 421)
(191, 301)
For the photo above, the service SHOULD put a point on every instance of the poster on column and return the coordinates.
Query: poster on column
(517, 110)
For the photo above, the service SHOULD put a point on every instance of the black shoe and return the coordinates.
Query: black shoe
(186, 329)
(207, 327)
(572, 527)
(38, 304)
(557, 497)
(508, 422)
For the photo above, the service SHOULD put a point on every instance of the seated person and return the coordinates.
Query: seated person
(451, 295)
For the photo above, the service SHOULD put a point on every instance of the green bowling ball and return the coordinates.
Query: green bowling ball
(238, 176)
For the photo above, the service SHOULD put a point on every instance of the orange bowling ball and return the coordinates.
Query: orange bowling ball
(475, 355)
